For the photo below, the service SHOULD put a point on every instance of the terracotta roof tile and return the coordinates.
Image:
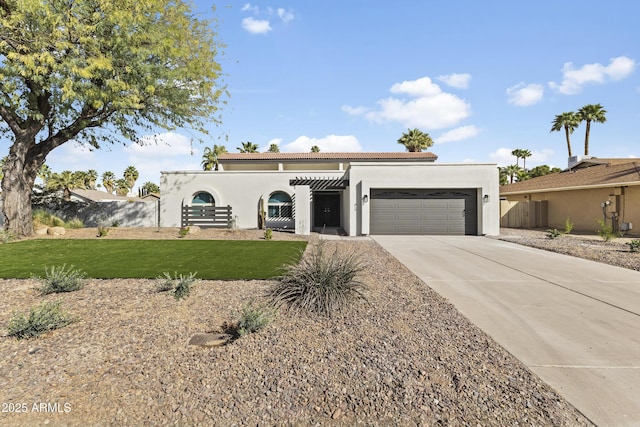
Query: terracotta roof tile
(328, 156)
(611, 173)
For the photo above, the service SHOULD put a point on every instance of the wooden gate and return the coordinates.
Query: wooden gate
(206, 216)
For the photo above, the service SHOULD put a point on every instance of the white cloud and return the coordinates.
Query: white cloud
(248, 8)
(286, 16)
(425, 106)
(524, 95)
(72, 156)
(457, 80)
(276, 141)
(574, 79)
(354, 111)
(458, 134)
(256, 26)
(328, 144)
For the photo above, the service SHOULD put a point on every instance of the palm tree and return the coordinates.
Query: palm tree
(64, 181)
(517, 153)
(150, 187)
(273, 148)
(523, 155)
(512, 171)
(591, 113)
(44, 173)
(210, 157)
(130, 176)
(415, 140)
(90, 179)
(568, 121)
(248, 147)
(81, 179)
(109, 181)
(315, 149)
(122, 187)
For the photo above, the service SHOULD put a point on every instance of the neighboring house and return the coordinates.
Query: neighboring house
(83, 195)
(590, 189)
(361, 193)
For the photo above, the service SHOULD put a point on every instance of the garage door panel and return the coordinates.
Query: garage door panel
(436, 212)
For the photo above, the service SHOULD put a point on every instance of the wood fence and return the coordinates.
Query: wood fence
(529, 214)
(206, 216)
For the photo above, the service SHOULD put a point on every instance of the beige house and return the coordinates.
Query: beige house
(590, 189)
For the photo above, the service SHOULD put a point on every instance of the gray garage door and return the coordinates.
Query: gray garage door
(423, 211)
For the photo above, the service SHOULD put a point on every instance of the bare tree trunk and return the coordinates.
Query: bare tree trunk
(20, 171)
(566, 132)
(586, 138)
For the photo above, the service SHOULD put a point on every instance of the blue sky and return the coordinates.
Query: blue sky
(482, 78)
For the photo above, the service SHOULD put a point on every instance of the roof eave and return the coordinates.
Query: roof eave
(577, 187)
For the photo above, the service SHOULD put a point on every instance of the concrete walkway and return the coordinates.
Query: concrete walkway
(575, 323)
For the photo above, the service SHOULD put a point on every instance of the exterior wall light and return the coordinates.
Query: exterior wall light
(485, 198)
(365, 198)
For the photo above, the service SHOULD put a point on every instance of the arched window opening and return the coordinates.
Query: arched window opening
(203, 199)
(280, 206)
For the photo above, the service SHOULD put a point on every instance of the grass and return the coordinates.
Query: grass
(107, 259)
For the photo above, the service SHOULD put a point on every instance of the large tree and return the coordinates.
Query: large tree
(131, 176)
(568, 121)
(415, 140)
(65, 181)
(591, 113)
(109, 181)
(94, 71)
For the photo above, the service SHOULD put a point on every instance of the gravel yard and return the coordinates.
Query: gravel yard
(404, 357)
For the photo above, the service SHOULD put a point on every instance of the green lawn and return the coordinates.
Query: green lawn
(211, 259)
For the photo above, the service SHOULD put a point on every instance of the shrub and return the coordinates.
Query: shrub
(41, 216)
(253, 317)
(6, 236)
(181, 285)
(634, 245)
(568, 226)
(321, 283)
(553, 233)
(606, 231)
(61, 279)
(40, 319)
(115, 224)
(268, 234)
(102, 231)
(74, 223)
(183, 231)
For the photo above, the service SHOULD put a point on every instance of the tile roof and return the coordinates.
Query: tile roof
(614, 172)
(425, 156)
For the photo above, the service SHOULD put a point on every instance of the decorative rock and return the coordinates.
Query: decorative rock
(42, 231)
(209, 340)
(194, 229)
(56, 231)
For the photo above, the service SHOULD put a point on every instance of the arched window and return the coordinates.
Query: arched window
(280, 205)
(203, 199)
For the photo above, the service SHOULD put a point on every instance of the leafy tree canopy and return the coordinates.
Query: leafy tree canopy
(90, 70)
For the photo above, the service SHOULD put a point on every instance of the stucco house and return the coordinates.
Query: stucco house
(360, 193)
(589, 189)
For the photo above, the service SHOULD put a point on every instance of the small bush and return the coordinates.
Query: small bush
(102, 231)
(268, 234)
(322, 282)
(61, 279)
(553, 233)
(181, 285)
(74, 223)
(568, 226)
(40, 216)
(606, 231)
(115, 224)
(40, 319)
(253, 317)
(183, 231)
(634, 245)
(6, 236)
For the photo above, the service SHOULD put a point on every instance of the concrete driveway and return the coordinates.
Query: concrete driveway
(575, 323)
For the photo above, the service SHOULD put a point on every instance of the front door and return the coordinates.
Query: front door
(326, 212)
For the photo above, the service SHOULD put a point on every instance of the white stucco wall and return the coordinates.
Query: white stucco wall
(481, 176)
(241, 190)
